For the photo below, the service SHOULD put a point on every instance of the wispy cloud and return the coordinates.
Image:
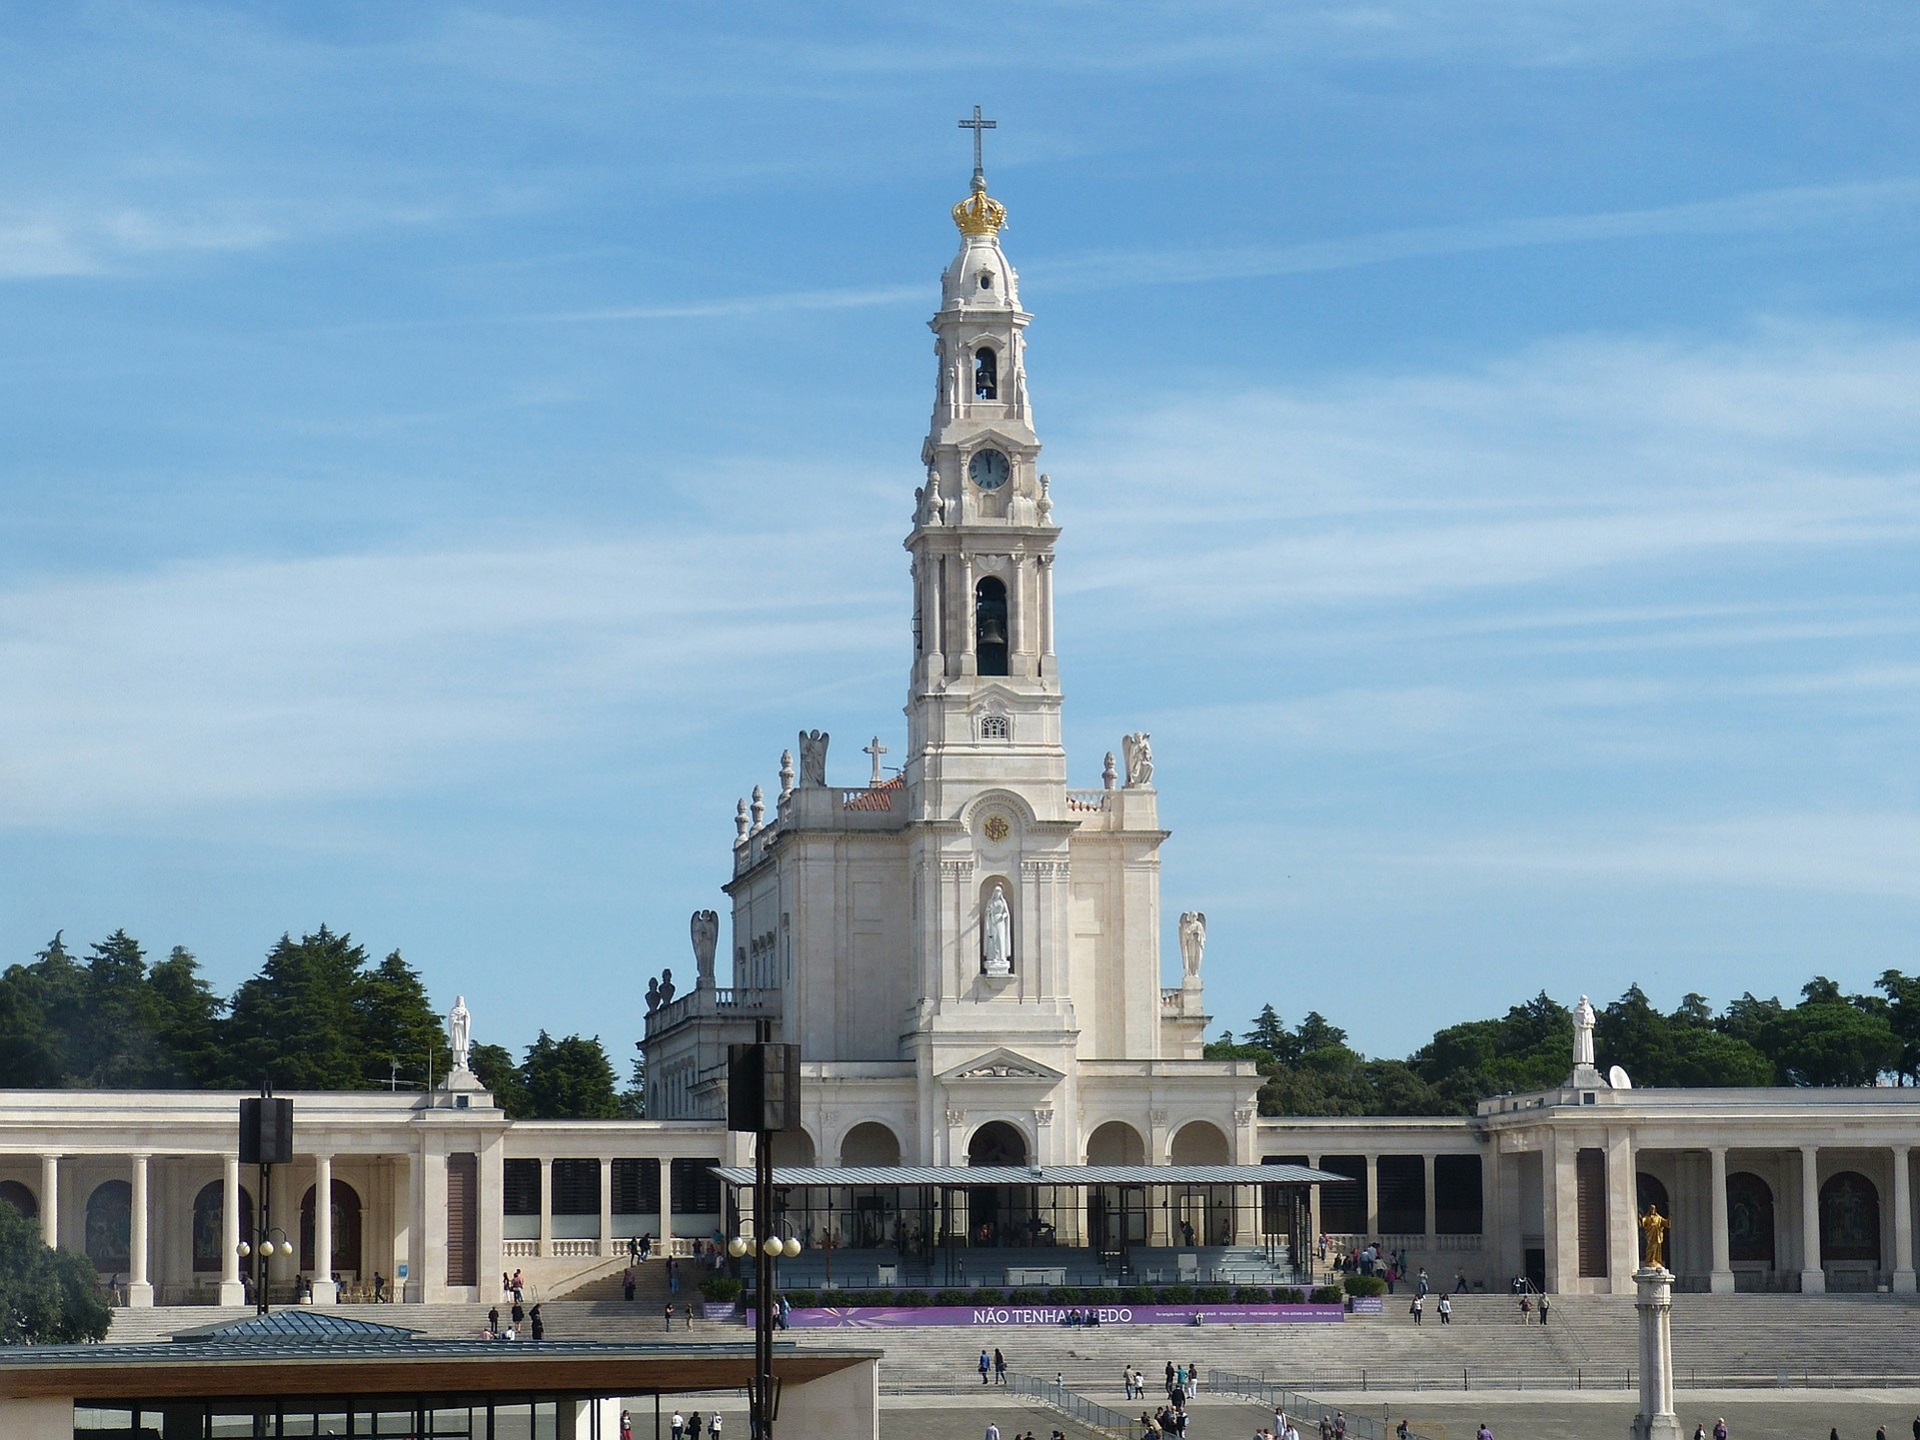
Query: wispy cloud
(1810, 207)
(241, 684)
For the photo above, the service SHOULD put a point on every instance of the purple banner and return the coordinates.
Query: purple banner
(875, 1317)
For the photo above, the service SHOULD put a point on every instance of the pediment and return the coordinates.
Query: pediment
(1002, 1064)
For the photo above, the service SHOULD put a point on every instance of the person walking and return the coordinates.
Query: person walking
(986, 1367)
(626, 1425)
(999, 1367)
(669, 1316)
(693, 1426)
(493, 1319)
(1700, 1431)
(993, 1431)
(713, 1427)
(1193, 1380)
(1419, 1305)
(1446, 1310)
(1420, 1286)
(1484, 1432)
(627, 1284)
(678, 1424)
(539, 1325)
(1720, 1428)
(1543, 1308)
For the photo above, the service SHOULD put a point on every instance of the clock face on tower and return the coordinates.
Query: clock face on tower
(989, 469)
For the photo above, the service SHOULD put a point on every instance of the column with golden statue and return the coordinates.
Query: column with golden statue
(1653, 1283)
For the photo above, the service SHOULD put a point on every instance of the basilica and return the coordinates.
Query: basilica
(968, 953)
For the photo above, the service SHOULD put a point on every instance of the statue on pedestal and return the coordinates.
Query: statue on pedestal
(1583, 1018)
(1653, 1236)
(460, 1032)
(706, 935)
(996, 948)
(1193, 943)
(813, 757)
(1138, 750)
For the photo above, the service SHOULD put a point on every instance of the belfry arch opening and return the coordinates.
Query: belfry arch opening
(990, 625)
(986, 374)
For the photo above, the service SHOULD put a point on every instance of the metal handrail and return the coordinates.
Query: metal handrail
(1303, 1407)
(1087, 1412)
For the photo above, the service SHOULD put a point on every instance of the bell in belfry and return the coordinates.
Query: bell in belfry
(993, 629)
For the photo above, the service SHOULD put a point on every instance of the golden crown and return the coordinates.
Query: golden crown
(979, 213)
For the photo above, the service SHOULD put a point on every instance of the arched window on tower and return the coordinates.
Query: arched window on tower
(986, 374)
(990, 626)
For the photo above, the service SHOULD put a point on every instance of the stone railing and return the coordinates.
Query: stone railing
(872, 799)
(519, 1249)
(1090, 800)
(697, 1003)
(574, 1249)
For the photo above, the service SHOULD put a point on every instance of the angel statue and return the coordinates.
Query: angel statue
(1193, 942)
(1138, 750)
(706, 935)
(813, 757)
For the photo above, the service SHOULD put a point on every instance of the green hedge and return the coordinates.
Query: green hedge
(952, 1297)
(1365, 1285)
(1176, 1294)
(803, 1299)
(720, 1288)
(1327, 1295)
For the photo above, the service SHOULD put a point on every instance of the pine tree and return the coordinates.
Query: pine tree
(398, 1024)
(295, 1023)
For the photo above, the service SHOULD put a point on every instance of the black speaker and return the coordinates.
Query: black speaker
(266, 1131)
(763, 1087)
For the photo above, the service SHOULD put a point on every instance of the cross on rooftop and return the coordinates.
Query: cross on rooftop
(976, 124)
(876, 750)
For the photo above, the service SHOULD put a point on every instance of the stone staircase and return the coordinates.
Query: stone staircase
(987, 1267)
(607, 1320)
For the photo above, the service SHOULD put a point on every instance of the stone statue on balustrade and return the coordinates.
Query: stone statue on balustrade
(1193, 943)
(1138, 749)
(813, 757)
(460, 1032)
(1583, 1021)
(996, 940)
(706, 935)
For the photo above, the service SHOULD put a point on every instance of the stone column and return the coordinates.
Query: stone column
(966, 620)
(606, 1206)
(1433, 1229)
(50, 1200)
(1560, 1188)
(1813, 1279)
(325, 1292)
(139, 1277)
(1654, 1301)
(1373, 1197)
(1722, 1278)
(1046, 604)
(666, 1204)
(1623, 1212)
(1903, 1277)
(546, 1206)
(231, 1291)
(1313, 1221)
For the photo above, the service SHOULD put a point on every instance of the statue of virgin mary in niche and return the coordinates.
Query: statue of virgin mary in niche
(996, 940)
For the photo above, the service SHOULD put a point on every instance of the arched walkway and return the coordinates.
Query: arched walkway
(1749, 1219)
(792, 1148)
(870, 1143)
(110, 1227)
(346, 1231)
(1649, 1190)
(13, 1193)
(1850, 1219)
(209, 1234)
(1116, 1143)
(1202, 1214)
(999, 1214)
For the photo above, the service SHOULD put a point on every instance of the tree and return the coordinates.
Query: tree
(40, 1009)
(187, 1018)
(1830, 1042)
(398, 1024)
(633, 1099)
(296, 1022)
(1269, 1032)
(47, 1297)
(1903, 1014)
(495, 1068)
(569, 1079)
(114, 1045)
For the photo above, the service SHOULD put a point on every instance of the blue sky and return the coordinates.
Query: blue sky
(450, 451)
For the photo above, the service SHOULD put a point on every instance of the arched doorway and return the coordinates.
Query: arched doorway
(1116, 1214)
(1001, 1214)
(110, 1227)
(1850, 1219)
(876, 1208)
(1202, 1214)
(792, 1149)
(1749, 1220)
(209, 1233)
(1650, 1191)
(346, 1232)
(13, 1193)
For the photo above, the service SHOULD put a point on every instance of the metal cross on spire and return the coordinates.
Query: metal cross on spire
(976, 124)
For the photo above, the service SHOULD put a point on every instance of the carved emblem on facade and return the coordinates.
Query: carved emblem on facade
(1043, 1117)
(997, 828)
(1001, 1070)
(956, 1118)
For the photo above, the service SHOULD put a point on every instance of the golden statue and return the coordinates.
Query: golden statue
(1653, 1236)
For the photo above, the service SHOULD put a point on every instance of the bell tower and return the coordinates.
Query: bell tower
(984, 702)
